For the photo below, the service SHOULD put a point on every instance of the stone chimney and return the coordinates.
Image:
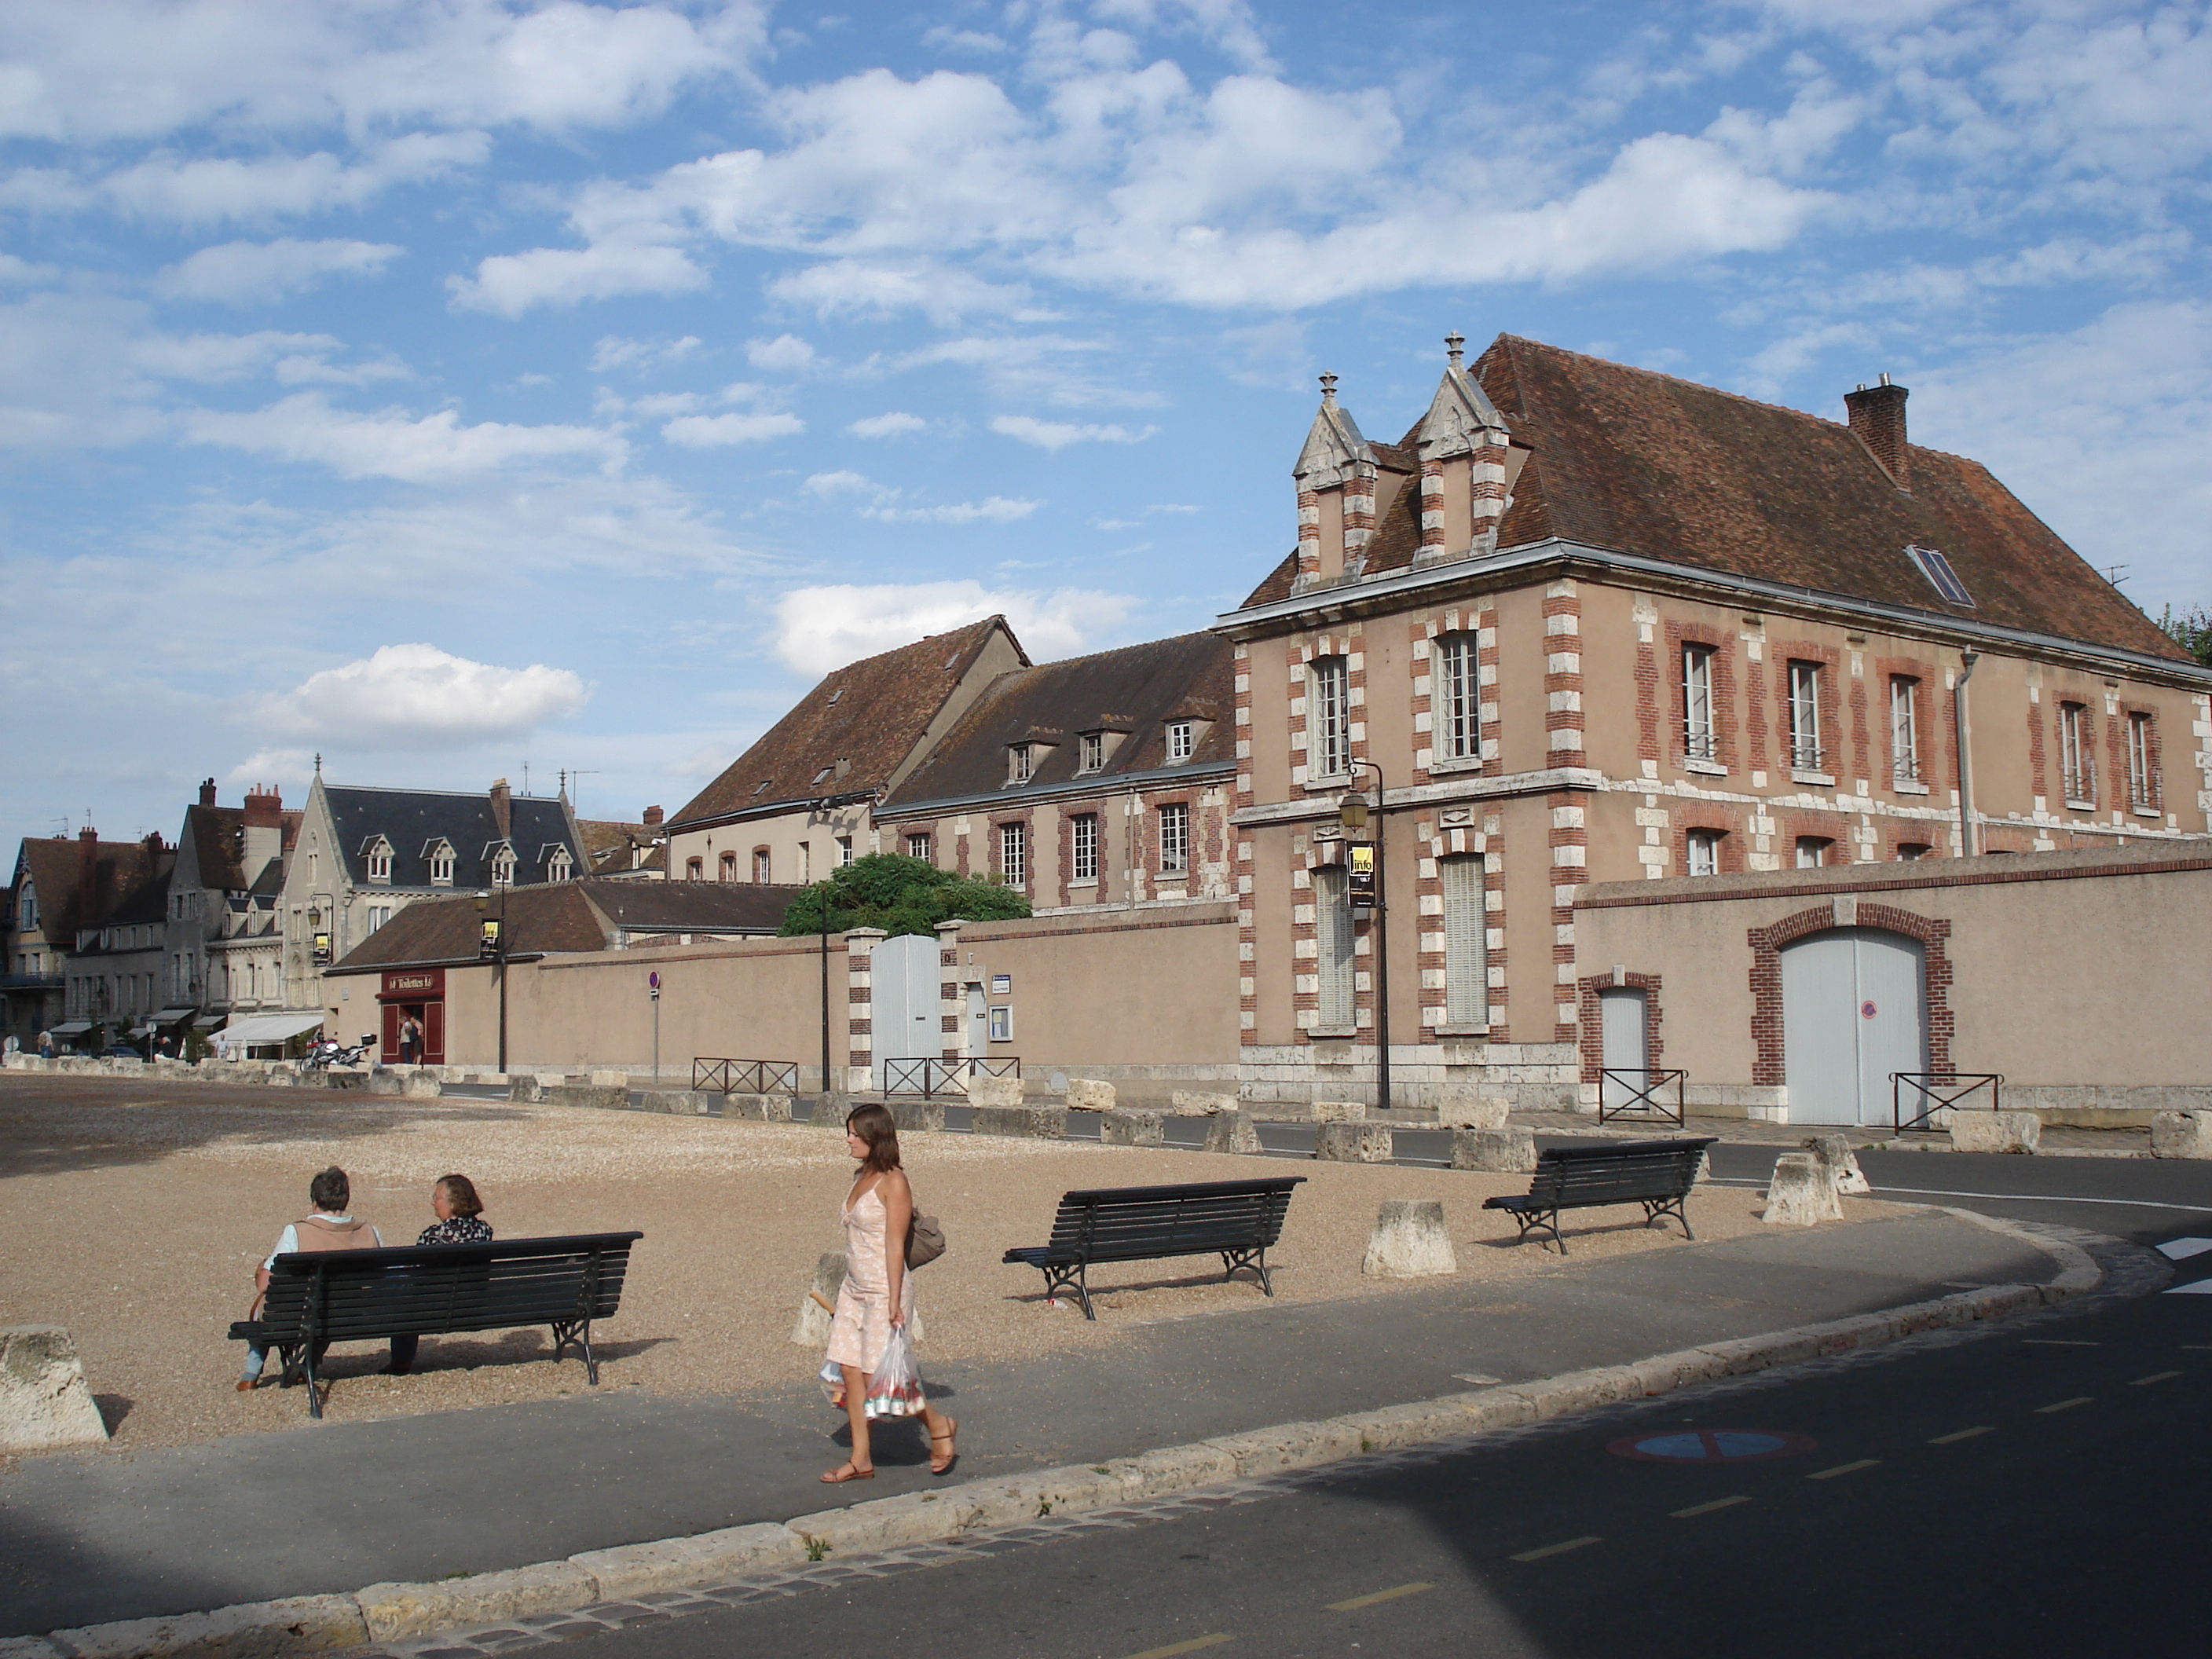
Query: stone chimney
(502, 809)
(652, 817)
(263, 821)
(207, 793)
(88, 876)
(1877, 415)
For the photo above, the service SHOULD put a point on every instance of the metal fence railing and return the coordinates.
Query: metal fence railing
(1930, 1092)
(744, 1076)
(1634, 1093)
(931, 1078)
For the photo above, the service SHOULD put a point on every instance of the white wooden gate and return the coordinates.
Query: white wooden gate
(903, 991)
(1852, 1013)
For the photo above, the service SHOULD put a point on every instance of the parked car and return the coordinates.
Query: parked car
(121, 1051)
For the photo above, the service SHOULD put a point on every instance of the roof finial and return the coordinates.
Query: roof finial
(1329, 388)
(1453, 342)
(318, 762)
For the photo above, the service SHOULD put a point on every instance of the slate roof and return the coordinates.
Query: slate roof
(413, 820)
(1638, 462)
(1134, 691)
(217, 837)
(868, 716)
(570, 916)
(612, 846)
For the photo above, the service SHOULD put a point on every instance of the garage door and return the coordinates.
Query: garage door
(904, 987)
(1851, 1014)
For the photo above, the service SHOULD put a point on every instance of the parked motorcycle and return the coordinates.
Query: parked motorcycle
(330, 1052)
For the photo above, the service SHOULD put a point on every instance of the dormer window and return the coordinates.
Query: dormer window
(1020, 762)
(503, 866)
(1182, 740)
(1092, 756)
(27, 909)
(380, 861)
(440, 856)
(560, 867)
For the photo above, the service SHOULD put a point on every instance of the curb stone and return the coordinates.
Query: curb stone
(275, 1630)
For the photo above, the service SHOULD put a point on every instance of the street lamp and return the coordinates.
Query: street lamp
(1354, 811)
(491, 946)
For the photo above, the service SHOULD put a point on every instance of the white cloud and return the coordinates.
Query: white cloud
(1058, 434)
(787, 354)
(274, 766)
(878, 288)
(710, 431)
(821, 628)
(251, 273)
(613, 352)
(994, 509)
(508, 284)
(828, 484)
(411, 696)
(892, 423)
(203, 191)
(388, 444)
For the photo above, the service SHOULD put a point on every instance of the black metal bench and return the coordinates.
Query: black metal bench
(1656, 1174)
(317, 1298)
(1236, 1220)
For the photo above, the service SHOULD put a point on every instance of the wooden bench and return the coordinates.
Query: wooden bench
(1656, 1174)
(317, 1298)
(1236, 1220)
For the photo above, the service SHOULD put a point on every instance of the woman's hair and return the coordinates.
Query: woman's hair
(875, 1125)
(329, 1191)
(461, 1194)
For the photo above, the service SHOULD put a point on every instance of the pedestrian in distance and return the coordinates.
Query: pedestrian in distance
(330, 1227)
(877, 1298)
(411, 1040)
(45, 1045)
(460, 1220)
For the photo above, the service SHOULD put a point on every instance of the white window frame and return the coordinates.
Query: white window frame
(1014, 854)
(1805, 751)
(763, 866)
(1903, 728)
(1328, 717)
(441, 865)
(1002, 1022)
(726, 868)
(1701, 852)
(1456, 679)
(1174, 838)
(918, 845)
(1467, 940)
(1083, 848)
(1700, 741)
(844, 850)
(1021, 763)
(1335, 967)
(1813, 852)
(2142, 780)
(2076, 758)
(503, 867)
(1091, 758)
(1183, 741)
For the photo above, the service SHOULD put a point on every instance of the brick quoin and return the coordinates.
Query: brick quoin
(1570, 878)
(1693, 814)
(1647, 694)
(1591, 1040)
(1767, 943)
(1861, 745)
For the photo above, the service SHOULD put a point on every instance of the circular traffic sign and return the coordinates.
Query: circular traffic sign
(1866, 1010)
(653, 981)
(1712, 1446)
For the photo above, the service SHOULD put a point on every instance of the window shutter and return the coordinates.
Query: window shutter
(1467, 955)
(1332, 918)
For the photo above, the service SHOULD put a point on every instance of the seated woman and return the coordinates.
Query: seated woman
(460, 1220)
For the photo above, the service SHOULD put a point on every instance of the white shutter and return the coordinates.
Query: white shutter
(1332, 917)
(1467, 955)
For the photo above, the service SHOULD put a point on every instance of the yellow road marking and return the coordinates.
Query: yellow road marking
(1844, 1468)
(1556, 1549)
(1191, 1646)
(2155, 1376)
(1962, 1434)
(1360, 1601)
(1706, 1508)
(2065, 1405)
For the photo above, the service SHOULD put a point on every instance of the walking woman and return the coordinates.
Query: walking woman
(877, 1296)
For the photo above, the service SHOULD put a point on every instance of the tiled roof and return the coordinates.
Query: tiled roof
(53, 864)
(692, 906)
(414, 820)
(1134, 691)
(571, 916)
(216, 836)
(857, 727)
(615, 849)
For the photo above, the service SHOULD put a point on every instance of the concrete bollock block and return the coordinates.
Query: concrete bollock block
(1034, 1122)
(758, 1109)
(527, 1089)
(2181, 1135)
(1189, 1103)
(1119, 1129)
(421, 1085)
(251, 1629)
(1508, 1151)
(1460, 1108)
(678, 1103)
(1339, 1111)
(1834, 1155)
(607, 1078)
(44, 1401)
(1995, 1132)
(917, 1116)
(1089, 1095)
(392, 1610)
(632, 1570)
(1409, 1240)
(1232, 1132)
(812, 1329)
(1802, 1193)
(1353, 1143)
(996, 1091)
(604, 1098)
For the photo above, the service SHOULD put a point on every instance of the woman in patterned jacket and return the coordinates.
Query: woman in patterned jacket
(460, 1220)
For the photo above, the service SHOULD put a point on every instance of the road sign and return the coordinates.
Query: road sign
(653, 981)
(1712, 1446)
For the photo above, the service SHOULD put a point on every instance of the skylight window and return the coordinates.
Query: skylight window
(1941, 577)
(761, 785)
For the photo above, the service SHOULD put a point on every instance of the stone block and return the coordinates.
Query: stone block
(812, 1329)
(1353, 1143)
(1339, 1111)
(1834, 1155)
(1995, 1132)
(1189, 1103)
(44, 1401)
(1802, 1193)
(1508, 1152)
(421, 1085)
(1579, 1391)
(527, 1090)
(1463, 1108)
(1409, 1240)
(386, 1081)
(1288, 1446)
(707, 1558)
(2181, 1135)
(994, 1092)
(880, 1523)
(1118, 1129)
(1413, 1425)
(1176, 1468)
(604, 1098)
(392, 1610)
(758, 1109)
(1035, 1122)
(28, 1647)
(1232, 1132)
(678, 1103)
(251, 1629)
(1089, 1095)
(606, 1077)
(917, 1116)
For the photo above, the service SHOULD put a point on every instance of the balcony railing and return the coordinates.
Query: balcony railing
(31, 982)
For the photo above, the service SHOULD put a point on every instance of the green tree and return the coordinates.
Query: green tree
(900, 896)
(2191, 630)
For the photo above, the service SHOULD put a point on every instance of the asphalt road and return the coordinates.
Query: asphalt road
(2036, 1490)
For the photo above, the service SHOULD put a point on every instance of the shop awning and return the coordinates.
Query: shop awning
(208, 1022)
(72, 1027)
(141, 1030)
(270, 1028)
(172, 1015)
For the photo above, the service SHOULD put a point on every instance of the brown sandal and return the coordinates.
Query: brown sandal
(944, 1466)
(847, 1471)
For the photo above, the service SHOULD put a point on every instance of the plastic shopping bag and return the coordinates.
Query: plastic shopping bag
(894, 1389)
(832, 1378)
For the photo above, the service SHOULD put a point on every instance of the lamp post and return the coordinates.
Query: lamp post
(1355, 811)
(491, 946)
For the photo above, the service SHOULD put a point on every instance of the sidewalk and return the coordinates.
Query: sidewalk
(334, 1506)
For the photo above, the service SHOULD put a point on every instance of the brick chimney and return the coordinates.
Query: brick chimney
(502, 809)
(207, 793)
(88, 876)
(1877, 415)
(263, 821)
(652, 817)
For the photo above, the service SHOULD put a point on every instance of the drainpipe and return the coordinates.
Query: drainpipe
(1969, 839)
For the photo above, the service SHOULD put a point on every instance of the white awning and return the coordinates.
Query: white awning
(270, 1028)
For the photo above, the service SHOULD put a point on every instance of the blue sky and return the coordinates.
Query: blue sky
(448, 386)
